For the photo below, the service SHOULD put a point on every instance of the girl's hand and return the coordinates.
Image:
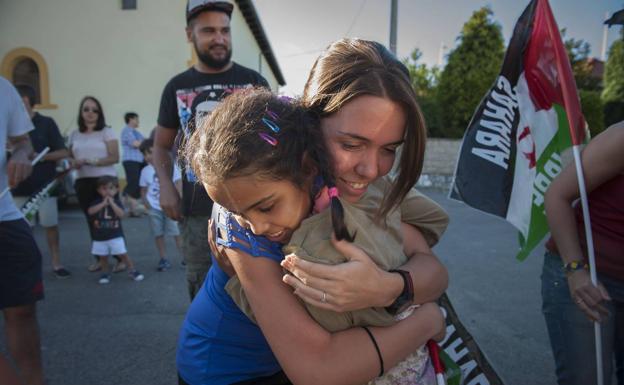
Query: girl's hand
(588, 297)
(353, 285)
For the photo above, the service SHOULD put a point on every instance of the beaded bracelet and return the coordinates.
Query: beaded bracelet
(571, 267)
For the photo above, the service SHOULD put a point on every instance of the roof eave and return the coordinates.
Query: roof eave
(253, 21)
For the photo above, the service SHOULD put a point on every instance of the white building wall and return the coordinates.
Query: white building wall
(122, 57)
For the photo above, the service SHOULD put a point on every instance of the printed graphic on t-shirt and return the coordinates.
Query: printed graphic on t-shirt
(106, 224)
(196, 104)
(106, 219)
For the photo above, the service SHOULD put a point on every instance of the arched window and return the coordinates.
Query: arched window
(26, 66)
(26, 72)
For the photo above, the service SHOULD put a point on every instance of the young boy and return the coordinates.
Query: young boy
(150, 193)
(105, 214)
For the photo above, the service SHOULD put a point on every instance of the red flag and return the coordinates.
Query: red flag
(546, 51)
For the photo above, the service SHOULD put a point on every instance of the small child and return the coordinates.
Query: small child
(105, 215)
(150, 194)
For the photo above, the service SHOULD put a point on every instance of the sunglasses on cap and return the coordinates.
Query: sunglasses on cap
(195, 7)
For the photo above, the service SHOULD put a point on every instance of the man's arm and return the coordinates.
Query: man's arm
(56, 143)
(55, 156)
(170, 202)
(18, 166)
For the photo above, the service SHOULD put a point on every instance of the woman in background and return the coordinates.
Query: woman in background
(94, 151)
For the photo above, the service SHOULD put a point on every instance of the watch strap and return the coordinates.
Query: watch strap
(407, 295)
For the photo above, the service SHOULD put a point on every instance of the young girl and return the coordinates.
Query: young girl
(262, 156)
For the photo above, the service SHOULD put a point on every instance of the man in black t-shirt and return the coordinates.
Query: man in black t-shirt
(186, 100)
(45, 134)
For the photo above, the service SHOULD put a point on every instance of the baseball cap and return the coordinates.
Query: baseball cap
(195, 7)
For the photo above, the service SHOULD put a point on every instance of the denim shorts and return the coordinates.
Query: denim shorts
(161, 224)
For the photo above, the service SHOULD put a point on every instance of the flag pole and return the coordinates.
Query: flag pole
(570, 99)
(590, 252)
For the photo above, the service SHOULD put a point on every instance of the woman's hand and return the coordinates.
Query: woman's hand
(588, 297)
(356, 284)
(219, 251)
(77, 163)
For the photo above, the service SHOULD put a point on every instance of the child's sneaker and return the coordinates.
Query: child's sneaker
(135, 275)
(163, 264)
(104, 279)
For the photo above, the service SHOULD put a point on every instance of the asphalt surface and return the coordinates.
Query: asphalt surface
(126, 332)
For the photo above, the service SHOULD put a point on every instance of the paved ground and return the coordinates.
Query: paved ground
(125, 333)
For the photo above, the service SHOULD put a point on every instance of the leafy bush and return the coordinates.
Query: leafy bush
(592, 107)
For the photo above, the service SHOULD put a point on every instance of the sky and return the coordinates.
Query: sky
(298, 30)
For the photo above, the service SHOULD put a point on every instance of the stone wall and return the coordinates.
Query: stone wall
(440, 160)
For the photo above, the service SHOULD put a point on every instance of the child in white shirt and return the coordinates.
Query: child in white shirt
(150, 194)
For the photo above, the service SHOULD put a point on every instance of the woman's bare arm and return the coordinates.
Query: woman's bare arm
(112, 157)
(601, 161)
(308, 353)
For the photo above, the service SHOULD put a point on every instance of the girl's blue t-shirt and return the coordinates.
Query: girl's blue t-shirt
(218, 344)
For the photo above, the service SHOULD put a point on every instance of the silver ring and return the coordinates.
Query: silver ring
(324, 298)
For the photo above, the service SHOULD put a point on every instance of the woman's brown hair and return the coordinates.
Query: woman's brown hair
(354, 67)
(101, 122)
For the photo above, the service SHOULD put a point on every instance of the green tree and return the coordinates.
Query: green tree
(424, 80)
(471, 70)
(578, 54)
(613, 92)
(592, 108)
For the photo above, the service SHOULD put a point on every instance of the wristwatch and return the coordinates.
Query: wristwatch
(406, 297)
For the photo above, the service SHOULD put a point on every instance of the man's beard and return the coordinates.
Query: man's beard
(210, 61)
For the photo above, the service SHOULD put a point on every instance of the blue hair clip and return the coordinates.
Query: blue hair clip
(269, 123)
